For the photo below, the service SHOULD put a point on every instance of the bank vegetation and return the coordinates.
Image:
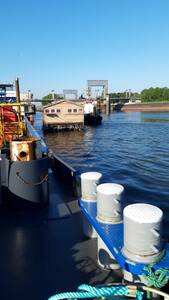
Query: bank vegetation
(156, 94)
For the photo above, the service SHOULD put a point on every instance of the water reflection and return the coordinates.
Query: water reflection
(155, 120)
(156, 117)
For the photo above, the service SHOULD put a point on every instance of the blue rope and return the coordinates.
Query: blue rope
(87, 291)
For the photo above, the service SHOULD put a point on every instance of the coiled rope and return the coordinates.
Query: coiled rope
(87, 291)
(158, 278)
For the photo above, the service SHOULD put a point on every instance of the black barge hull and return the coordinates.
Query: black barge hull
(92, 120)
(25, 181)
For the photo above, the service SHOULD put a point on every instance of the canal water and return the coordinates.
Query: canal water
(128, 148)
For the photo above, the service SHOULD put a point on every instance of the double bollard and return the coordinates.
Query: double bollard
(108, 197)
(89, 182)
(142, 224)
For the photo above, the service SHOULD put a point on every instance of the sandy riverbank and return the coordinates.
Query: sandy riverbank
(154, 107)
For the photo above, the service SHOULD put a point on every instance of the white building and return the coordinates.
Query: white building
(24, 96)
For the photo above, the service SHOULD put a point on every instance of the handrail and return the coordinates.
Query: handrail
(11, 104)
(33, 133)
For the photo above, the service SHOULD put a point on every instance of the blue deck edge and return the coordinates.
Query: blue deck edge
(112, 235)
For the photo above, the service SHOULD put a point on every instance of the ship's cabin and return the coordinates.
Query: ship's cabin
(7, 93)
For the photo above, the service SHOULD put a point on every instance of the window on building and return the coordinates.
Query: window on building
(69, 110)
(75, 110)
(58, 110)
(47, 110)
(80, 109)
(52, 110)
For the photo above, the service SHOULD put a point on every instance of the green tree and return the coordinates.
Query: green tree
(50, 97)
(155, 94)
(122, 97)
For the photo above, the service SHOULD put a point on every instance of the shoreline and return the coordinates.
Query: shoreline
(143, 107)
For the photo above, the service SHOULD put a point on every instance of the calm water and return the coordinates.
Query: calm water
(128, 148)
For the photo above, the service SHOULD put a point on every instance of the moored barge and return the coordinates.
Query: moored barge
(24, 157)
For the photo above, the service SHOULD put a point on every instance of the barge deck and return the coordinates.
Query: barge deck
(43, 251)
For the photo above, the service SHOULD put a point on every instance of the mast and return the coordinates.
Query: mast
(18, 100)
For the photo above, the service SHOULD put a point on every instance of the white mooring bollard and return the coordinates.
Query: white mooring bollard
(142, 235)
(89, 182)
(109, 211)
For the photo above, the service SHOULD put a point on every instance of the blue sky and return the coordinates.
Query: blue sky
(59, 44)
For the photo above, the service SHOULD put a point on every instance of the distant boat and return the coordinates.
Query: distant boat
(93, 120)
(92, 115)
